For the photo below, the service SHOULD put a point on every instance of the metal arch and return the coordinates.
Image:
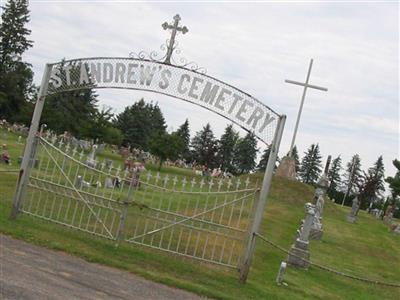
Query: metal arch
(246, 96)
(171, 66)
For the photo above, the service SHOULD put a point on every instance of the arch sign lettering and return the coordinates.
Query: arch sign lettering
(162, 76)
(177, 82)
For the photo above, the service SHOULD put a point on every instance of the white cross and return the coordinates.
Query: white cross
(148, 176)
(247, 182)
(184, 182)
(166, 178)
(210, 184)
(238, 182)
(202, 184)
(305, 85)
(193, 182)
(229, 183)
(157, 177)
(220, 184)
(175, 180)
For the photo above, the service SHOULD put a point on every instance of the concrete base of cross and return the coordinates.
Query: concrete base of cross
(287, 168)
(299, 255)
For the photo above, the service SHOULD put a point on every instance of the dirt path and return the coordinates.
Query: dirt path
(31, 272)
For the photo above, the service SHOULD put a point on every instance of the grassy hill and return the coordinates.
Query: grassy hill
(366, 249)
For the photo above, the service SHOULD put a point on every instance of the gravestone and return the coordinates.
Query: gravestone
(352, 216)
(281, 273)
(388, 217)
(299, 255)
(396, 229)
(108, 165)
(316, 228)
(287, 168)
(109, 183)
(91, 162)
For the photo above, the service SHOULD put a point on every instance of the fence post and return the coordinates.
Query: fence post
(132, 185)
(259, 211)
(122, 222)
(29, 152)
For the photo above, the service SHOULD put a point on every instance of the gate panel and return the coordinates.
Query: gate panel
(202, 218)
(56, 192)
(206, 220)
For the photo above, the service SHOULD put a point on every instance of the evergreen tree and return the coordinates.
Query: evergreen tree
(295, 155)
(13, 33)
(264, 160)
(262, 165)
(311, 166)
(15, 75)
(226, 149)
(246, 153)
(204, 147)
(140, 121)
(372, 185)
(334, 176)
(72, 111)
(394, 182)
(184, 133)
(353, 175)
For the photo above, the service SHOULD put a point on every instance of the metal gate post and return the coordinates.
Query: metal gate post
(29, 152)
(259, 210)
(124, 214)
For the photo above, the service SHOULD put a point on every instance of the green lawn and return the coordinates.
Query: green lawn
(366, 248)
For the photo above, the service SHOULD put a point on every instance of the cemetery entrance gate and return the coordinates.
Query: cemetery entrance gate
(213, 220)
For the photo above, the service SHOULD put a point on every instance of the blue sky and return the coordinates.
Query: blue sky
(255, 47)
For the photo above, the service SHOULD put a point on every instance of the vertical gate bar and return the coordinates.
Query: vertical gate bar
(259, 212)
(26, 166)
(124, 213)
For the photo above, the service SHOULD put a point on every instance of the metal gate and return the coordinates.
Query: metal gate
(197, 217)
(204, 219)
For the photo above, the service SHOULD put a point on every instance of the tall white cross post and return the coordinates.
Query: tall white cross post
(305, 85)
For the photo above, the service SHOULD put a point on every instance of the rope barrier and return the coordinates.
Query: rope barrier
(327, 268)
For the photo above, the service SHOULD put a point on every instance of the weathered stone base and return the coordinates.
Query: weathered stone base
(294, 257)
(396, 230)
(298, 253)
(387, 220)
(316, 234)
(351, 219)
(287, 168)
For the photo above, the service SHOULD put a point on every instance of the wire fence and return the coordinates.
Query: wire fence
(325, 268)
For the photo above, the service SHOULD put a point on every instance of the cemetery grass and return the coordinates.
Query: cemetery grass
(366, 249)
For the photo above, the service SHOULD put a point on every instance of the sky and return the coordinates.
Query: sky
(253, 46)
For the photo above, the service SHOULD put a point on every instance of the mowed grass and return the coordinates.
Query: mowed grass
(366, 248)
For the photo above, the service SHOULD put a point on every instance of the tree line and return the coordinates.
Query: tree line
(349, 181)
